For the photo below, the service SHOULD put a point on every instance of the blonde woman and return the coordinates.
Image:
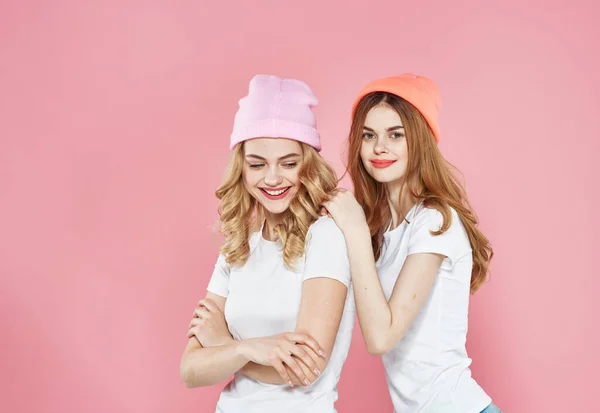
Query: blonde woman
(278, 314)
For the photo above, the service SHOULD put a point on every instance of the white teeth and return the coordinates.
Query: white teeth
(275, 193)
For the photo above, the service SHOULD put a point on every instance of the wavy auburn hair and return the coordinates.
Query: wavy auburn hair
(430, 179)
(241, 214)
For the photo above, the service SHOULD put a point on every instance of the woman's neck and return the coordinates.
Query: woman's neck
(271, 221)
(399, 200)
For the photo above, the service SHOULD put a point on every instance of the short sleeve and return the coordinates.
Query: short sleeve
(219, 281)
(326, 254)
(453, 243)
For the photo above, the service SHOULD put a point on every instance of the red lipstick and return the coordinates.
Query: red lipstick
(381, 163)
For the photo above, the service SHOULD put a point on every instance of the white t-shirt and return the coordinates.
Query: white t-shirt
(263, 299)
(428, 370)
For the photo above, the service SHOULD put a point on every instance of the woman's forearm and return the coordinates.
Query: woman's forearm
(373, 310)
(266, 374)
(206, 366)
(258, 372)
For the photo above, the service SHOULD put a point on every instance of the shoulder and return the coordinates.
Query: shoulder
(424, 236)
(324, 234)
(433, 218)
(325, 227)
(326, 254)
(427, 222)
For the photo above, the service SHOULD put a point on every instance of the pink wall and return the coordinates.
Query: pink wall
(114, 122)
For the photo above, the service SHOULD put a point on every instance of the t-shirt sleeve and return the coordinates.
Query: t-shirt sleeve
(453, 243)
(219, 281)
(326, 254)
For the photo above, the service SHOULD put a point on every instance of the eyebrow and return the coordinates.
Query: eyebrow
(260, 158)
(393, 128)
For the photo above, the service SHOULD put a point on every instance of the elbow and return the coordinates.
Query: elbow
(379, 347)
(376, 350)
(382, 342)
(190, 377)
(186, 377)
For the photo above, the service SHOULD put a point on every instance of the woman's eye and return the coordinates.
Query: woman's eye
(290, 165)
(256, 165)
(368, 136)
(397, 135)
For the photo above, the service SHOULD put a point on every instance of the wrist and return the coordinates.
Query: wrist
(358, 232)
(216, 341)
(241, 348)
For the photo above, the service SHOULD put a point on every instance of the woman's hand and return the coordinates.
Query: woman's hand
(285, 350)
(346, 211)
(208, 325)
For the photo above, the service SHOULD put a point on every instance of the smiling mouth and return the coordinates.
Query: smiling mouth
(381, 163)
(275, 193)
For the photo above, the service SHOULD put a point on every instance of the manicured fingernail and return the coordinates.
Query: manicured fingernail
(317, 372)
(306, 382)
(321, 353)
(290, 383)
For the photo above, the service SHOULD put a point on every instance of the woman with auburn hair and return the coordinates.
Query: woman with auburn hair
(277, 314)
(414, 246)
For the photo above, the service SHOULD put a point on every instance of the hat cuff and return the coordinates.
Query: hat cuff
(276, 128)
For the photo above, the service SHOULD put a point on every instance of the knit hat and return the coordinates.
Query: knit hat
(420, 91)
(277, 108)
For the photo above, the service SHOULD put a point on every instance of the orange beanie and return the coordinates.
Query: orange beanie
(420, 91)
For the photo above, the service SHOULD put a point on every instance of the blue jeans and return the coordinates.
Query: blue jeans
(492, 408)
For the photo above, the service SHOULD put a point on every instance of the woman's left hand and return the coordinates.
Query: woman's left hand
(209, 325)
(346, 211)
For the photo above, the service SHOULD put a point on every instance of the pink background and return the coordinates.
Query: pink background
(114, 124)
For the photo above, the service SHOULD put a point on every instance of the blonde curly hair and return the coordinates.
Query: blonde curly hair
(241, 214)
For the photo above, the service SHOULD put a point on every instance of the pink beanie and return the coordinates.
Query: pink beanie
(277, 108)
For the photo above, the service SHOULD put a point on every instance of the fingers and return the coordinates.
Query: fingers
(293, 364)
(306, 358)
(308, 373)
(340, 194)
(313, 355)
(278, 365)
(195, 322)
(327, 208)
(209, 304)
(303, 338)
(201, 312)
(293, 377)
(192, 331)
(324, 211)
